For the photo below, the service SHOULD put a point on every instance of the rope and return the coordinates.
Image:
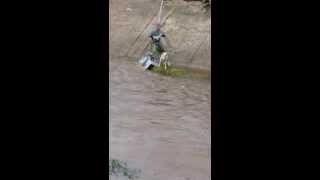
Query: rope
(160, 11)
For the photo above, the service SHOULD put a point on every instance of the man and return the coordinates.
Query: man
(156, 43)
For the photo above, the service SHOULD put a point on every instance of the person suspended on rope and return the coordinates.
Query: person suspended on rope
(156, 36)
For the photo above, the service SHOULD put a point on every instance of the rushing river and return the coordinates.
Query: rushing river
(160, 125)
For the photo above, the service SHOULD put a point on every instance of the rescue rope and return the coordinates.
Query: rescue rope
(160, 11)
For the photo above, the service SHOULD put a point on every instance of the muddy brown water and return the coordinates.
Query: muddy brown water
(160, 125)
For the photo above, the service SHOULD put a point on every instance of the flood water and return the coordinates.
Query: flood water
(160, 125)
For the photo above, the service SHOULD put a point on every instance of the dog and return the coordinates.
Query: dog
(164, 60)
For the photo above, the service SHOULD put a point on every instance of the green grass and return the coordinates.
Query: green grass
(120, 168)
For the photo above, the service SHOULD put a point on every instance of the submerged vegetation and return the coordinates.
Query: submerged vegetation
(181, 72)
(169, 71)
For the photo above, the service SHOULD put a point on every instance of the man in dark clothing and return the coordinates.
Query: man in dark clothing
(156, 43)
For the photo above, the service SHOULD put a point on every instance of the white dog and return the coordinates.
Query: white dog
(164, 60)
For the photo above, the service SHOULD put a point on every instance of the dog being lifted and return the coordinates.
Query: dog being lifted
(164, 60)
